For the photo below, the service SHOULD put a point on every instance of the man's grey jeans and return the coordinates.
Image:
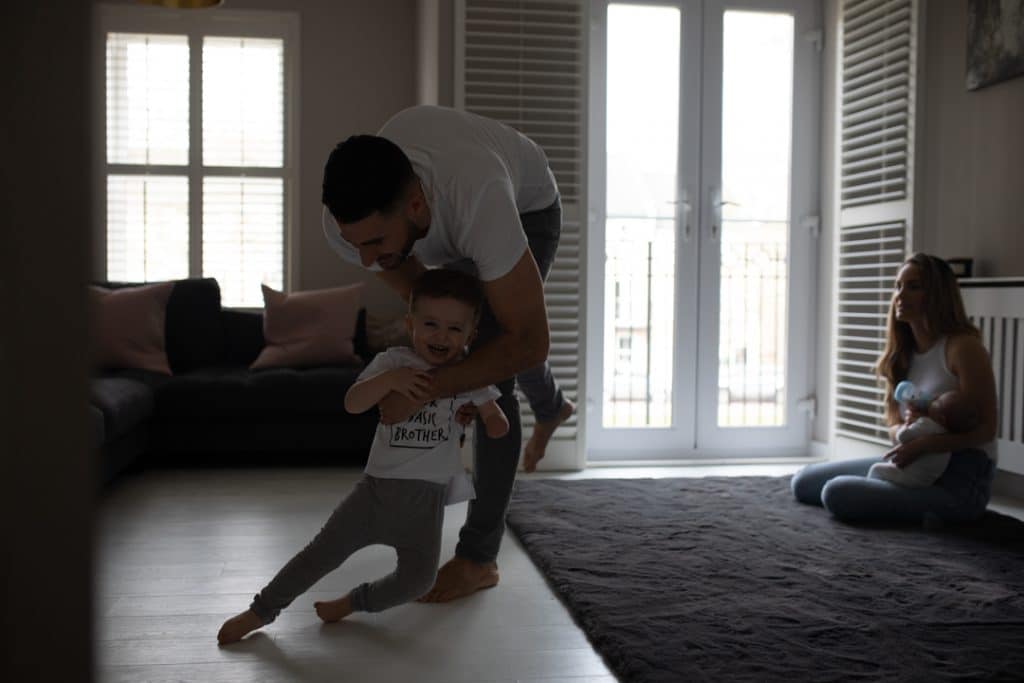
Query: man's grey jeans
(495, 460)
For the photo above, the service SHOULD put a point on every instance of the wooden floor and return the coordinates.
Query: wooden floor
(179, 551)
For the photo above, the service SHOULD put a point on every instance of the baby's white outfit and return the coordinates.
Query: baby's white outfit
(922, 472)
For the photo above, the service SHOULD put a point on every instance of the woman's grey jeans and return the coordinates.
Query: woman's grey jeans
(961, 494)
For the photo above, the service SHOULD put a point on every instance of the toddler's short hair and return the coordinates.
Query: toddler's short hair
(444, 283)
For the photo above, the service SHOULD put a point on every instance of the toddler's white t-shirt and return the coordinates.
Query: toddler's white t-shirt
(478, 176)
(426, 446)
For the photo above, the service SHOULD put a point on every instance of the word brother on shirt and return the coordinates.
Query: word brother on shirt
(426, 429)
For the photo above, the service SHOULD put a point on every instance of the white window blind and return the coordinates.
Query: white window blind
(878, 80)
(196, 147)
(869, 257)
(243, 107)
(242, 220)
(876, 100)
(521, 63)
(147, 227)
(147, 99)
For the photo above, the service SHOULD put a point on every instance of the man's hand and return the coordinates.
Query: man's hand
(395, 408)
(413, 384)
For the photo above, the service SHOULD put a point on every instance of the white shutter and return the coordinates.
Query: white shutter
(521, 62)
(876, 183)
(147, 126)
(876, 100)
(147, 228)
(200, 146)
(243, 130)
(243, 102)
(147, 94)
(869, 256)
(242, 236)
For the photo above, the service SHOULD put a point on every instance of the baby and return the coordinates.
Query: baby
(413, 471)
(950, 412)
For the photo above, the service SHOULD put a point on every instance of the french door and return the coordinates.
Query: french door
(703, 211)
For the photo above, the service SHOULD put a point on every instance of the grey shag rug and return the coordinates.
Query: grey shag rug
(729, 578)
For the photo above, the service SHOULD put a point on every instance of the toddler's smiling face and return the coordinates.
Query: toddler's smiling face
(440, 329)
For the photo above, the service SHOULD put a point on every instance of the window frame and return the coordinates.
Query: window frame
(195, 24)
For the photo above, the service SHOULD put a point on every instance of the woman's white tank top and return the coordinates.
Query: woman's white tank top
(930, 374)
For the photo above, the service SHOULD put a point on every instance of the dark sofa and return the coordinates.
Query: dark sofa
(213, 409)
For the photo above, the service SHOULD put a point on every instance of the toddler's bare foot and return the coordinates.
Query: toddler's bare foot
(235, 628)
(542, 431)
(334, 610)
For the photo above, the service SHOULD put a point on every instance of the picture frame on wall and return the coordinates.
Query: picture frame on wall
(995, 41)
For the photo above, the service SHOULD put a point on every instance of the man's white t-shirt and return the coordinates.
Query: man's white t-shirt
(478, 175)
(426, 446)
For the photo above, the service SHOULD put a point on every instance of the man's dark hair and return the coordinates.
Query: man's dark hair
(363, 175)
(443, 283)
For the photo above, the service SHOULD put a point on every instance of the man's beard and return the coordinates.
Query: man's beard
(413, 233)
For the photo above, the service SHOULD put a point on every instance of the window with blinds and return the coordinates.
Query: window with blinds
(521, 62)
(196, 149)
(878, 80)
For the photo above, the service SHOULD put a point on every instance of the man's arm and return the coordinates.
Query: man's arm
(408, 382)
(517, 301)
(394, 407)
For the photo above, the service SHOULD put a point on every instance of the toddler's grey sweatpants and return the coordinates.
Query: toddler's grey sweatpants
(406, 514)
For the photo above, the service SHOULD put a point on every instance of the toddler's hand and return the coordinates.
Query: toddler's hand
(466, 414)
(413, 384)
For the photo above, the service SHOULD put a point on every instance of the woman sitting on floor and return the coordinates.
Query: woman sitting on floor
(929, 341)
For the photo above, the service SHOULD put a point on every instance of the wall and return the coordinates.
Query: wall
(971, 184)
(357, 68)
(47, 497)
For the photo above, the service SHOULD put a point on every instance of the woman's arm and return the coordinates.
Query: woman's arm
(969, 361)
(966, 358)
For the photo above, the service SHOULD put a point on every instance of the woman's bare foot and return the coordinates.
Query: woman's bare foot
(333, 610)
(460, 577)
(235, 628)
(542, 431)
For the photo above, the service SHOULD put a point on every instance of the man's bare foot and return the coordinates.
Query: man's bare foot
(460, 577)
(235, 628)
(334, 610)
(542, 431)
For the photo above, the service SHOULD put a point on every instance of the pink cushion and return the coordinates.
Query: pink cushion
(309, 328)
(128, 326)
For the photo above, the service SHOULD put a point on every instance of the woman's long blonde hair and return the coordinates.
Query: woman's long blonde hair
(944, 314)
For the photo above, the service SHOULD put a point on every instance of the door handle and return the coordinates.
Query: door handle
(685, 206)
(716, 201)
